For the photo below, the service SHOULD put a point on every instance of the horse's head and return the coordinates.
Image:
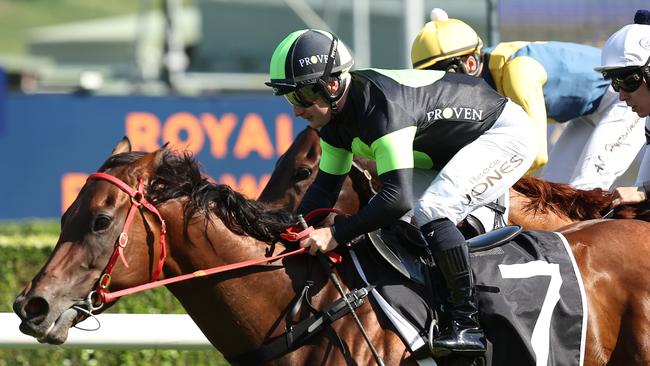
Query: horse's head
(294, 171)
(91, 233)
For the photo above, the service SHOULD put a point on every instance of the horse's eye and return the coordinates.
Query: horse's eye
(302, 173)
(101, 223)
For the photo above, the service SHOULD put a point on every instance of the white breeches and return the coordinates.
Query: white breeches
(480, 172)
(595, 149)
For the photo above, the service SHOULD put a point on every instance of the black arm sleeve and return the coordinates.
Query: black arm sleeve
(389, 204)
(323, 193)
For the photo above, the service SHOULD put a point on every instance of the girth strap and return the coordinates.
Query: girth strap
(302, 331)
(295, 309)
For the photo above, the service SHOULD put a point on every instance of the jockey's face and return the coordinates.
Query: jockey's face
(318, 114)
(638, 100)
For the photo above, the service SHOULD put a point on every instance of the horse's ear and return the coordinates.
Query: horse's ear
(148, 164)
(158, 156)
(124, 146)
(314, 149)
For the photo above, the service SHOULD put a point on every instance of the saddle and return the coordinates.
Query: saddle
(402, 246)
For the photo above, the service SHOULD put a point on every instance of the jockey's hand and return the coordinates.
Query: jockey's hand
(320, 239)
(628, 195)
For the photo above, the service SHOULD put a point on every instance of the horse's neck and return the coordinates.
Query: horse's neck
(239, 309)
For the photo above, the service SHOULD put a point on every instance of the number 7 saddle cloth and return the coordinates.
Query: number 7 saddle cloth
(532, 303)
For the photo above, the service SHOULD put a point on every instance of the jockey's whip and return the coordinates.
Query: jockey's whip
(335, 280)
(609, 214)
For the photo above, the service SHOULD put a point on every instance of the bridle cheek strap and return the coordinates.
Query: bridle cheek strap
(137, 201)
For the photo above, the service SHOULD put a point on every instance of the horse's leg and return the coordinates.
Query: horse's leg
(601, 332)
(618, 289)
(633, 347)
(628, 295)
(602, 324)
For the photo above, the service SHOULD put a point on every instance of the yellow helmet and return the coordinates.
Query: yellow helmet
(443, 38)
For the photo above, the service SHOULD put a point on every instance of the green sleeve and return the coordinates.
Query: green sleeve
(394, 150)
(335, 160)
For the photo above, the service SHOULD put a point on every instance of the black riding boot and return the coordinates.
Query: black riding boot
(464, 335)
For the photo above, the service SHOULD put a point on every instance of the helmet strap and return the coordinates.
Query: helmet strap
(322, 81)
(333, 98)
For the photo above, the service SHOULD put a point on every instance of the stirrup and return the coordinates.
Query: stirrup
(467, 343)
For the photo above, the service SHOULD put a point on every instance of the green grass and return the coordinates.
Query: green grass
(23, 227)
(17, 17)
(24, 248)
(33, 233)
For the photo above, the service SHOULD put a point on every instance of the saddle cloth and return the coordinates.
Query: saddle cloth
(530, 293)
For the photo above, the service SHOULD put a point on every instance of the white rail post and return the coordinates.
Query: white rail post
(117, 331)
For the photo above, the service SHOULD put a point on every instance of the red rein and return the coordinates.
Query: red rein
(137, 202)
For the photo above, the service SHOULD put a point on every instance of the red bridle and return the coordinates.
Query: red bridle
(137, 202)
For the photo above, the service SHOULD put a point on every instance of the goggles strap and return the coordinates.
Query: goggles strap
(645, 72)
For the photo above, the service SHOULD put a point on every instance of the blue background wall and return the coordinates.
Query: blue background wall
(44, 137)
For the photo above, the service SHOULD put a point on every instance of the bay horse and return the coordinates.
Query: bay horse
(535, 204)
(208, 225)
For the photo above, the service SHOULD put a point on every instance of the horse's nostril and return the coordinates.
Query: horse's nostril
(36, 309)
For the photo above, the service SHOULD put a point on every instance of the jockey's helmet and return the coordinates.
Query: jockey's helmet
(443, 39)
(307, 57)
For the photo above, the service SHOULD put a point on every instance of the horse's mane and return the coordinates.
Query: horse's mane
(563, 199)
(179, 175)
(121, 159)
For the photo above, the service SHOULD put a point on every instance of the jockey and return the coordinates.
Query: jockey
(626, 62)
(444, 144)
(549, 80)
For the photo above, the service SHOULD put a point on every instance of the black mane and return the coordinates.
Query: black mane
(179, 175)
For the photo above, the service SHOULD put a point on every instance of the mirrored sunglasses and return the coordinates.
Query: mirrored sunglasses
(628, 83)
(303, 97)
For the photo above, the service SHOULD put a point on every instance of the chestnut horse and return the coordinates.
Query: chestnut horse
(208, 225)
(534, 204)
